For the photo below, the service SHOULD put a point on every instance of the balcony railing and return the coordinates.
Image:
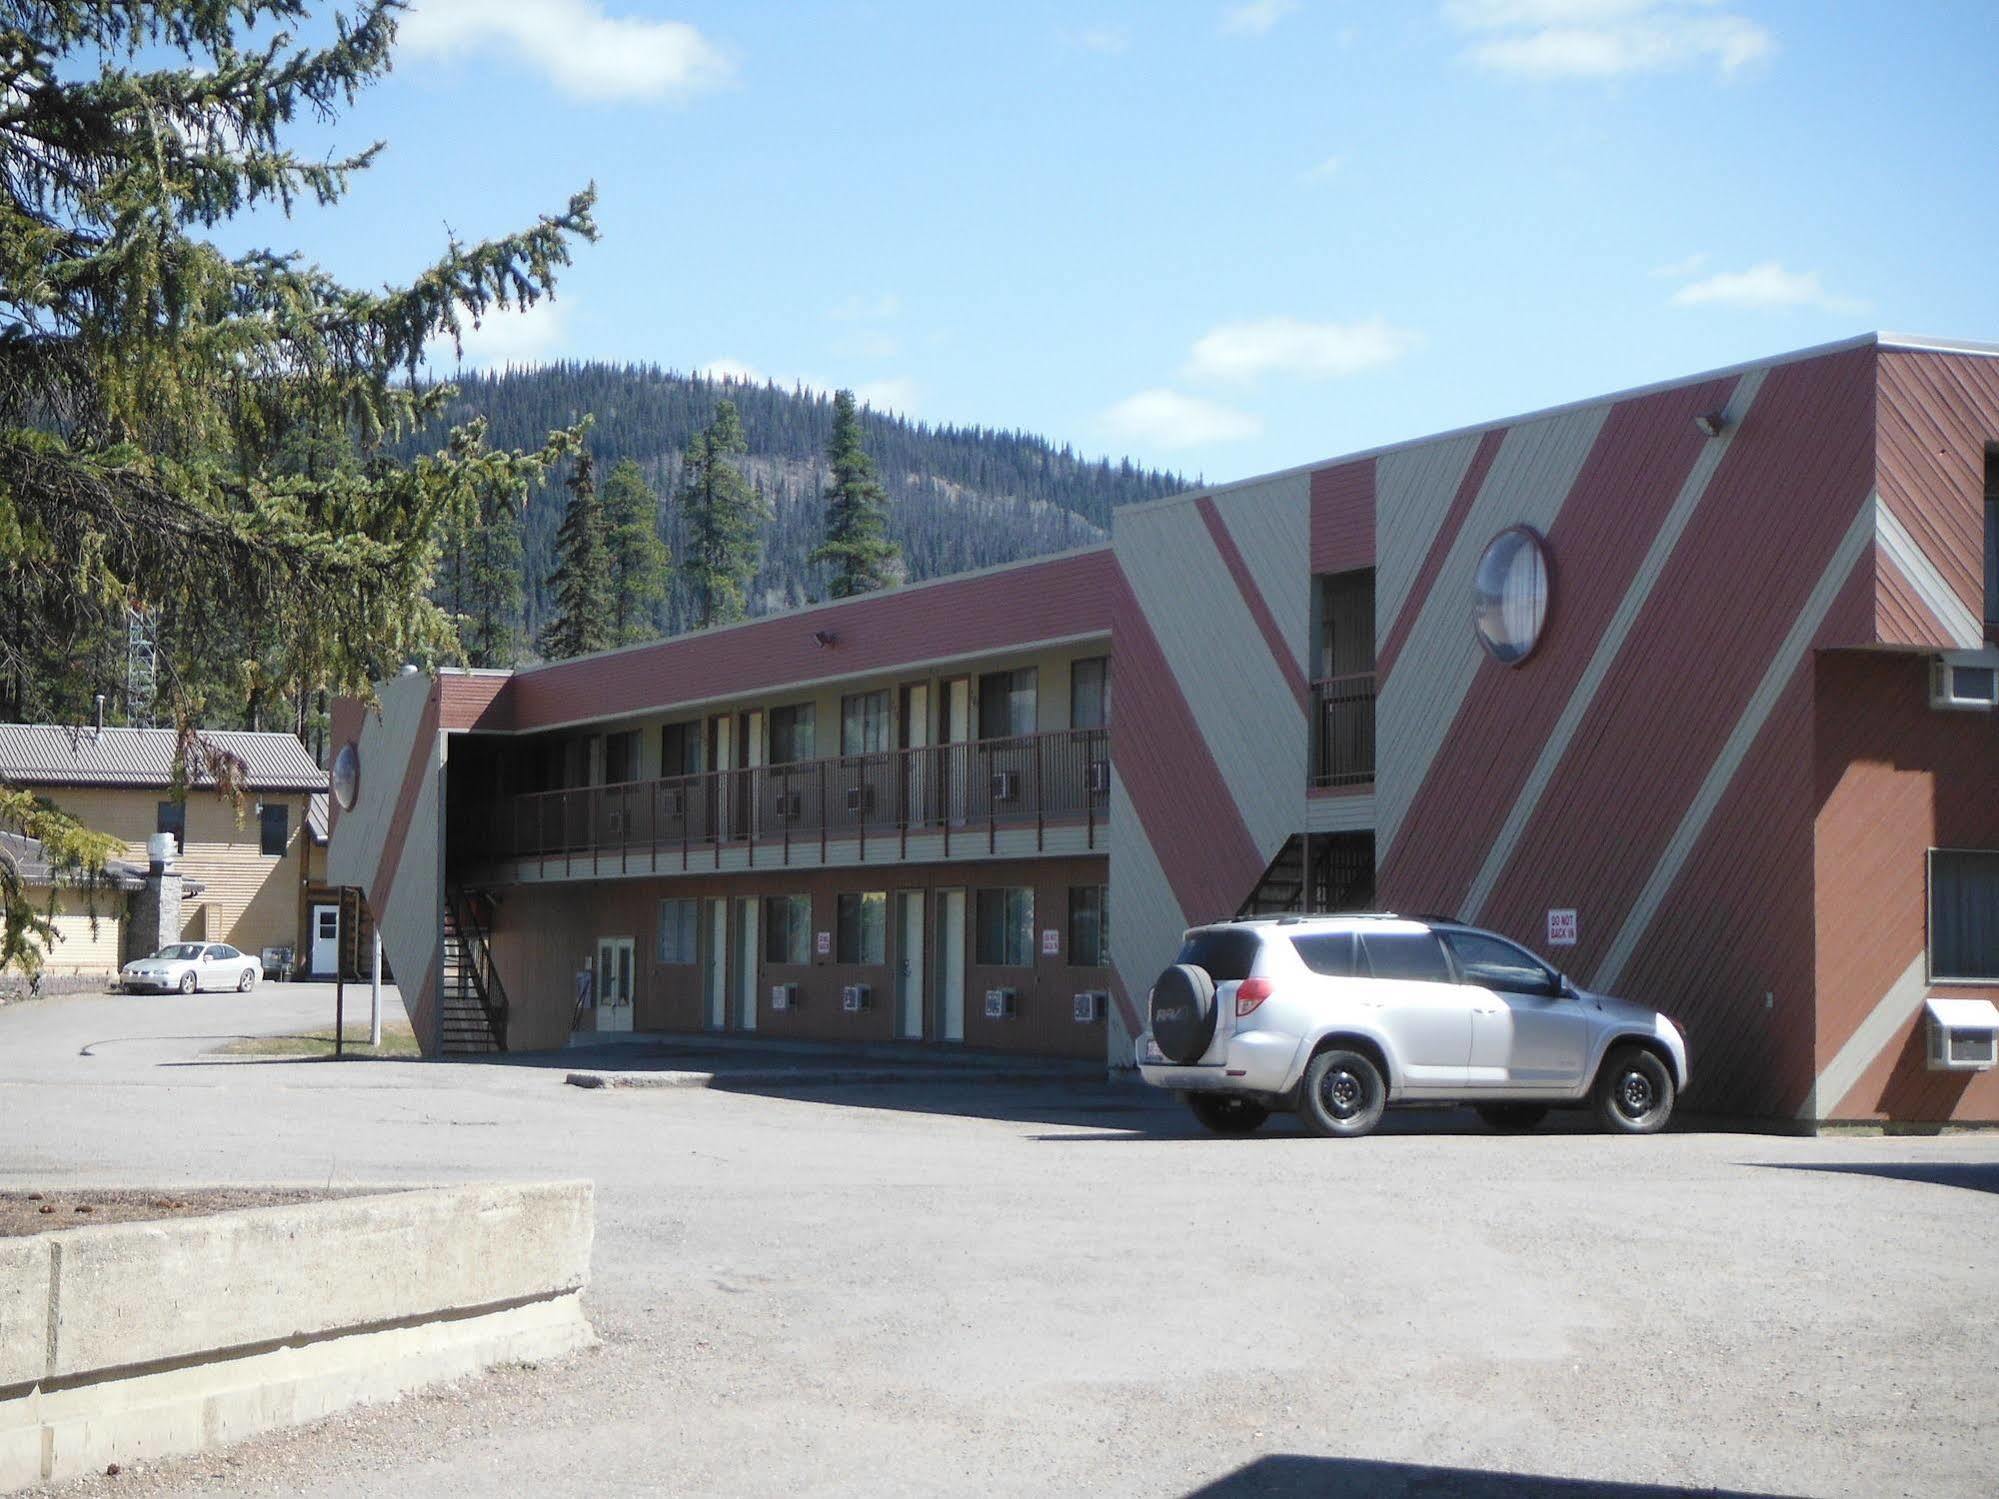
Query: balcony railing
(966, 791)
(1343, 730)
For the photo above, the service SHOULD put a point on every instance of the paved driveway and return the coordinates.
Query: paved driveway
(1022, 1290)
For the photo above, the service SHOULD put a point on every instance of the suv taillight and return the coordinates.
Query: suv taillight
(1249, 994)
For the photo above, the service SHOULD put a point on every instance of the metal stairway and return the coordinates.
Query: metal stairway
(472, 1002)
(1315, 873)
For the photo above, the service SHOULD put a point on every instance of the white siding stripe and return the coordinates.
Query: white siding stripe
(1883, 1023)
(1671, 529)
(1413, 491)
(1146, 920)
(1937, 595)
(1271, 525)
(1529, 481)
(1793, 651)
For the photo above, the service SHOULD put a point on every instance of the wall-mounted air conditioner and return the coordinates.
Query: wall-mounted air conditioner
(1006, 785)
(1091, 1006)
(1965, 680)
(1100, 778)
(673, 801)
(784, 996)
(788, 805)
(854, 998)
(1000, 1004)
(1964, 1035)
(860, 800)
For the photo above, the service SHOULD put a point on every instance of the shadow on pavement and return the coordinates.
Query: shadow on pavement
(1287, 1476)
(1973, 1176)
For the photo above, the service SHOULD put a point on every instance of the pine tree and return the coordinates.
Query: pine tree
(638, 558)
(150, 380)
(723, 518)
(856, 548)
(490, 620)
(581, 581)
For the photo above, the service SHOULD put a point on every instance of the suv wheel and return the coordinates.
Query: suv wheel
(1512, 1116)
(1634, 1092)
(1227, 1113)
(1342, 1095)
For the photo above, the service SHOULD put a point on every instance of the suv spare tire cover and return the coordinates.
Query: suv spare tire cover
(1183, 1012)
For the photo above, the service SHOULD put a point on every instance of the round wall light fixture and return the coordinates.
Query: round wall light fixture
(347, 776)
(1510, 595)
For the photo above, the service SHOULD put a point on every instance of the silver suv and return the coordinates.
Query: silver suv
(1339, 1016)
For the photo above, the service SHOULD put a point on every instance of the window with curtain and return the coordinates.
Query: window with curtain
(788, 929)
(864, 723)
(1007, 703)
(621, 757)
(861, 927)
(1964, 914)
(1090, 693)
(791, 734)
(1089, 926)
(680, 749)
(679, 941)
(1005, 922)
(274, 829)
(171, 817)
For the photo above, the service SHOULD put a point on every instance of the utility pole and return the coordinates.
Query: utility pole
(375, 988)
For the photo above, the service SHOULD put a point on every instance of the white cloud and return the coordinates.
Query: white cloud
(1164, 418)
(732, 369)
(1255, 17)
(507, 339)
(585, 52)
(860, 309)
(1281, 345)
(1107, 41)
(1319, 171)
(1679, 270)
(896, 394)
(1764, 287)
(1606, 38)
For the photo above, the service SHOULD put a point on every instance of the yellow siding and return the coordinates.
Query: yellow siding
(249, 900)
(80, 948)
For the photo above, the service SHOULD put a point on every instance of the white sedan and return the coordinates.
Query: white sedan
(188, 966)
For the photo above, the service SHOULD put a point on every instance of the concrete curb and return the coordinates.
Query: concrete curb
(815, 1077)
(146, 1339)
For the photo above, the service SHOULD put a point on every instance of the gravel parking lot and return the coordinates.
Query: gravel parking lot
(1009, 1288)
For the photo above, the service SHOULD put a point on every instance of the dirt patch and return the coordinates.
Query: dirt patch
(23, 1213)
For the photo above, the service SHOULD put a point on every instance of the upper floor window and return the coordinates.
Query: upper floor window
(863, 723)
(273, 828)
(791, 734)
(1346, 624)
(171, 817)
(1964, 914)
(680, 749)
(1007, 703)
(1090, 693)
(621, 757)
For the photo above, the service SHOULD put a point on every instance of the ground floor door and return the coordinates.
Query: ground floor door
(614, 983)
(324, 958)
(715, 964)
(909, 964)
(951, 964)
(746, 963)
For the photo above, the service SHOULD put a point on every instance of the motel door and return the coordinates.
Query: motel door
(715, 963)
(909, 964)
(951, 964)
(614, 983)
(746, 962)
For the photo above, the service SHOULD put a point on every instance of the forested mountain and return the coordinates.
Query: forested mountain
(958, 497)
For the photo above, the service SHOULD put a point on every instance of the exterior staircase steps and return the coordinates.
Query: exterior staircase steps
(471, 1018)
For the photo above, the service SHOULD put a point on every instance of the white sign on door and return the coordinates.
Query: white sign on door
(822, 943)
(1051, 942)
(1561, 929)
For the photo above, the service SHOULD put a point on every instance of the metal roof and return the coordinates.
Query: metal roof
(41, 754)
(25, 856)
(317, 812)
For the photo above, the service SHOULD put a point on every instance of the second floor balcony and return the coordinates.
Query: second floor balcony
(1343, 731)
(993, 796)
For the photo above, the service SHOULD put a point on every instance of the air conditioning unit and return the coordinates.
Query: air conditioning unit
(1091, 1006)
(854, 998)
(789, 806)
(860, 800)
(673, 802)
(1100, 778)
(1964, 1035)
(1965, 680)
(1000, 1004)
(784, 996)
(1006, 785)
(616, 824)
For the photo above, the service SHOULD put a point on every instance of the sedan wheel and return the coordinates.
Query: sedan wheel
(1227, 1114)
(247, 982)
(1342, 1095)
(187, 982)
(1634, 1092)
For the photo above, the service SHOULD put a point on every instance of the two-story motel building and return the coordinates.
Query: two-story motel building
(1719, 731)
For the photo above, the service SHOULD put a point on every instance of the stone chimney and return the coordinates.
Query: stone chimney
(154, 919)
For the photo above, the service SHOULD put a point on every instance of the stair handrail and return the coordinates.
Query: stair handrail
(485, 975)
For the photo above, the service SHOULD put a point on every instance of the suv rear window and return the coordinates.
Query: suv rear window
(1225, 953)
(1406, 955)
(1330, 953)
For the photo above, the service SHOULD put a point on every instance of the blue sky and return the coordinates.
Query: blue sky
(1220, 236)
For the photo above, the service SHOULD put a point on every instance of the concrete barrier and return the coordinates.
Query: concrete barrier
(141, 1340)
